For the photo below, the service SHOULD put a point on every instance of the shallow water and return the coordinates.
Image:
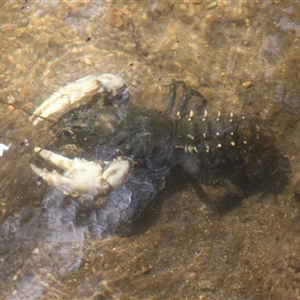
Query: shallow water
(243, 56)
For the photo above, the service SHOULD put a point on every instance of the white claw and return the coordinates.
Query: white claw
(81, 176)
(75, 94)
(58, 160)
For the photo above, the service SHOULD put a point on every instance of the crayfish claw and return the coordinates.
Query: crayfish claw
(61, 182)
(81, 176)
(75, 94)
(58, 160)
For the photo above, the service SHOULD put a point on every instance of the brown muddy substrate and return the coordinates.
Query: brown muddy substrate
(244, 57)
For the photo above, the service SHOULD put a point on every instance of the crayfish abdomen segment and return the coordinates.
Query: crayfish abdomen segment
(216, 142)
